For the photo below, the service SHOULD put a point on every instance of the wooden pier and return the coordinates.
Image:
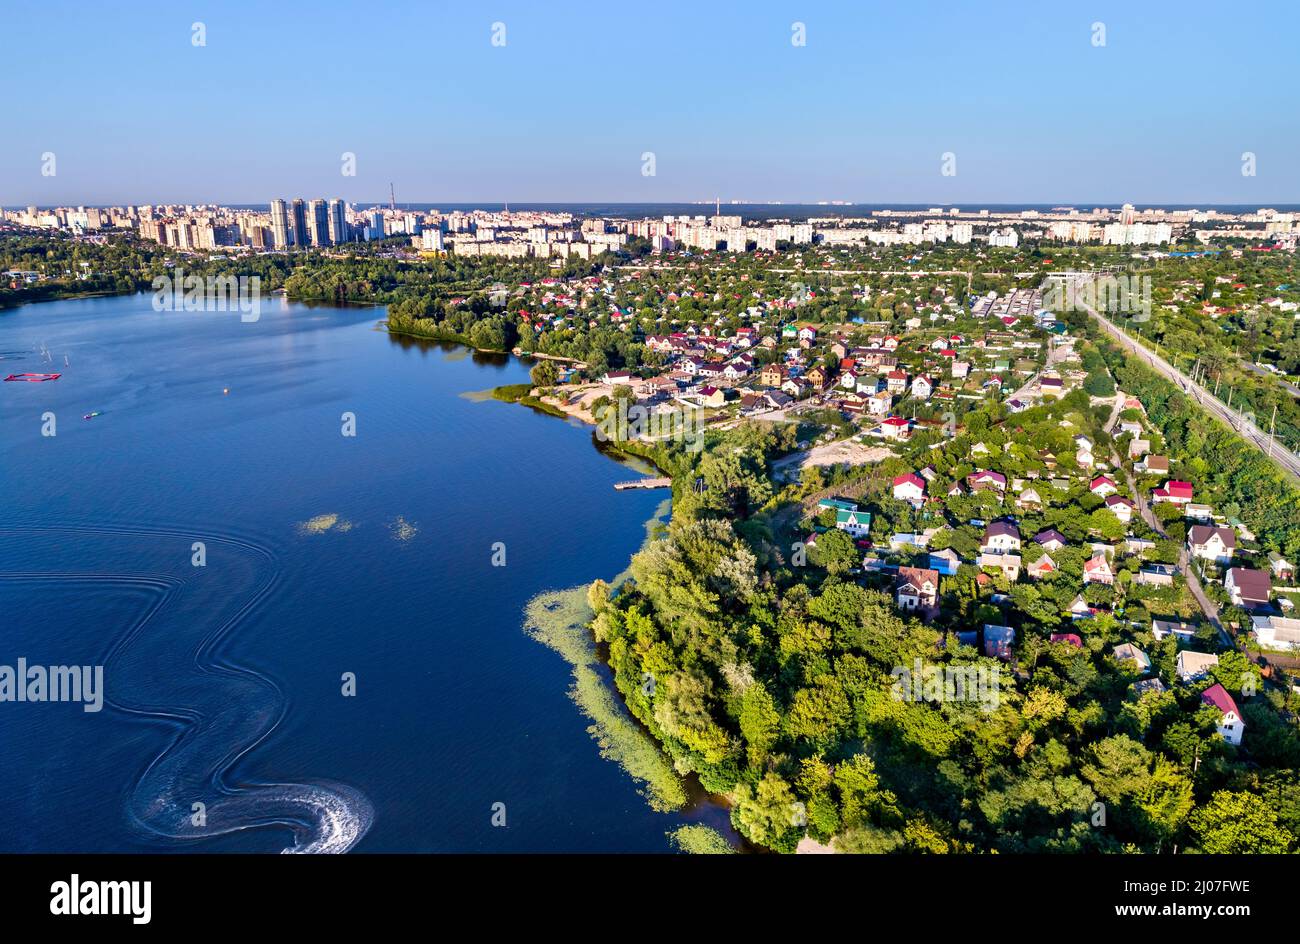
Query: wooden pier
(645, 483)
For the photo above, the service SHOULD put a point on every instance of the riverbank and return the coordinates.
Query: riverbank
(11, 303)
(561, 621)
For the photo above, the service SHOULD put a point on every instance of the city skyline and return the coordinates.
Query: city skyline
(1037, 106)
(569, 232)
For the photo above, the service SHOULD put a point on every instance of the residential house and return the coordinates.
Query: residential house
(945, 562)
(1184, 632)
(1101, 486)
(978, 481)
(837, 504)
(1097, 570)
(1276, 632)
(796, 387)
(1127, 652)
(1281, 568)
(1212, 544)
(1001, 537)
(896, 381)
(773, 375)
(1192, 665)
(1156, 575)
(910, 488)
(712, 397)
(922, 387)
(1173, 491)
(853, 404)
(896, 427)
(1143, 686)
(1080, 608)
(998, 641)
(1009, 564)
(618, 377)
(917, 589)
(879, 403)
(866, 385)
(1230, 724)
(856, 523)
(1120, 507)
(1041, 567)
(1137, 546)
(1029, 499)
(1083, 452)
(906, 540)
(1247, 587)
(1050, 539)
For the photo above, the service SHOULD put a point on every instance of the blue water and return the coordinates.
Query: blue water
(224, 682)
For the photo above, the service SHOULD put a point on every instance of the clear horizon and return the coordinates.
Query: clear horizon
(1033, 108)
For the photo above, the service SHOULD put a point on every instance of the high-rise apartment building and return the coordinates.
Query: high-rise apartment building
(318, 223)
(299, 216)
(279, 224)
(338, 222)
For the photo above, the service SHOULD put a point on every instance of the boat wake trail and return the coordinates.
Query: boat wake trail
(170, 666)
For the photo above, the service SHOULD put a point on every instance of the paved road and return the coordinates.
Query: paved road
(1278, 378)
(1208, 606)
(1285, 460)
(1116, 409)
(1055, 354)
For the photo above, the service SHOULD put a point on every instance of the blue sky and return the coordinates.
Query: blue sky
(1033, 111)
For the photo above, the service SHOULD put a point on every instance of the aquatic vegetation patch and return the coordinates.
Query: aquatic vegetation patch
(402, 529)
(322, 524)
(558, 619)
(699, 840)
